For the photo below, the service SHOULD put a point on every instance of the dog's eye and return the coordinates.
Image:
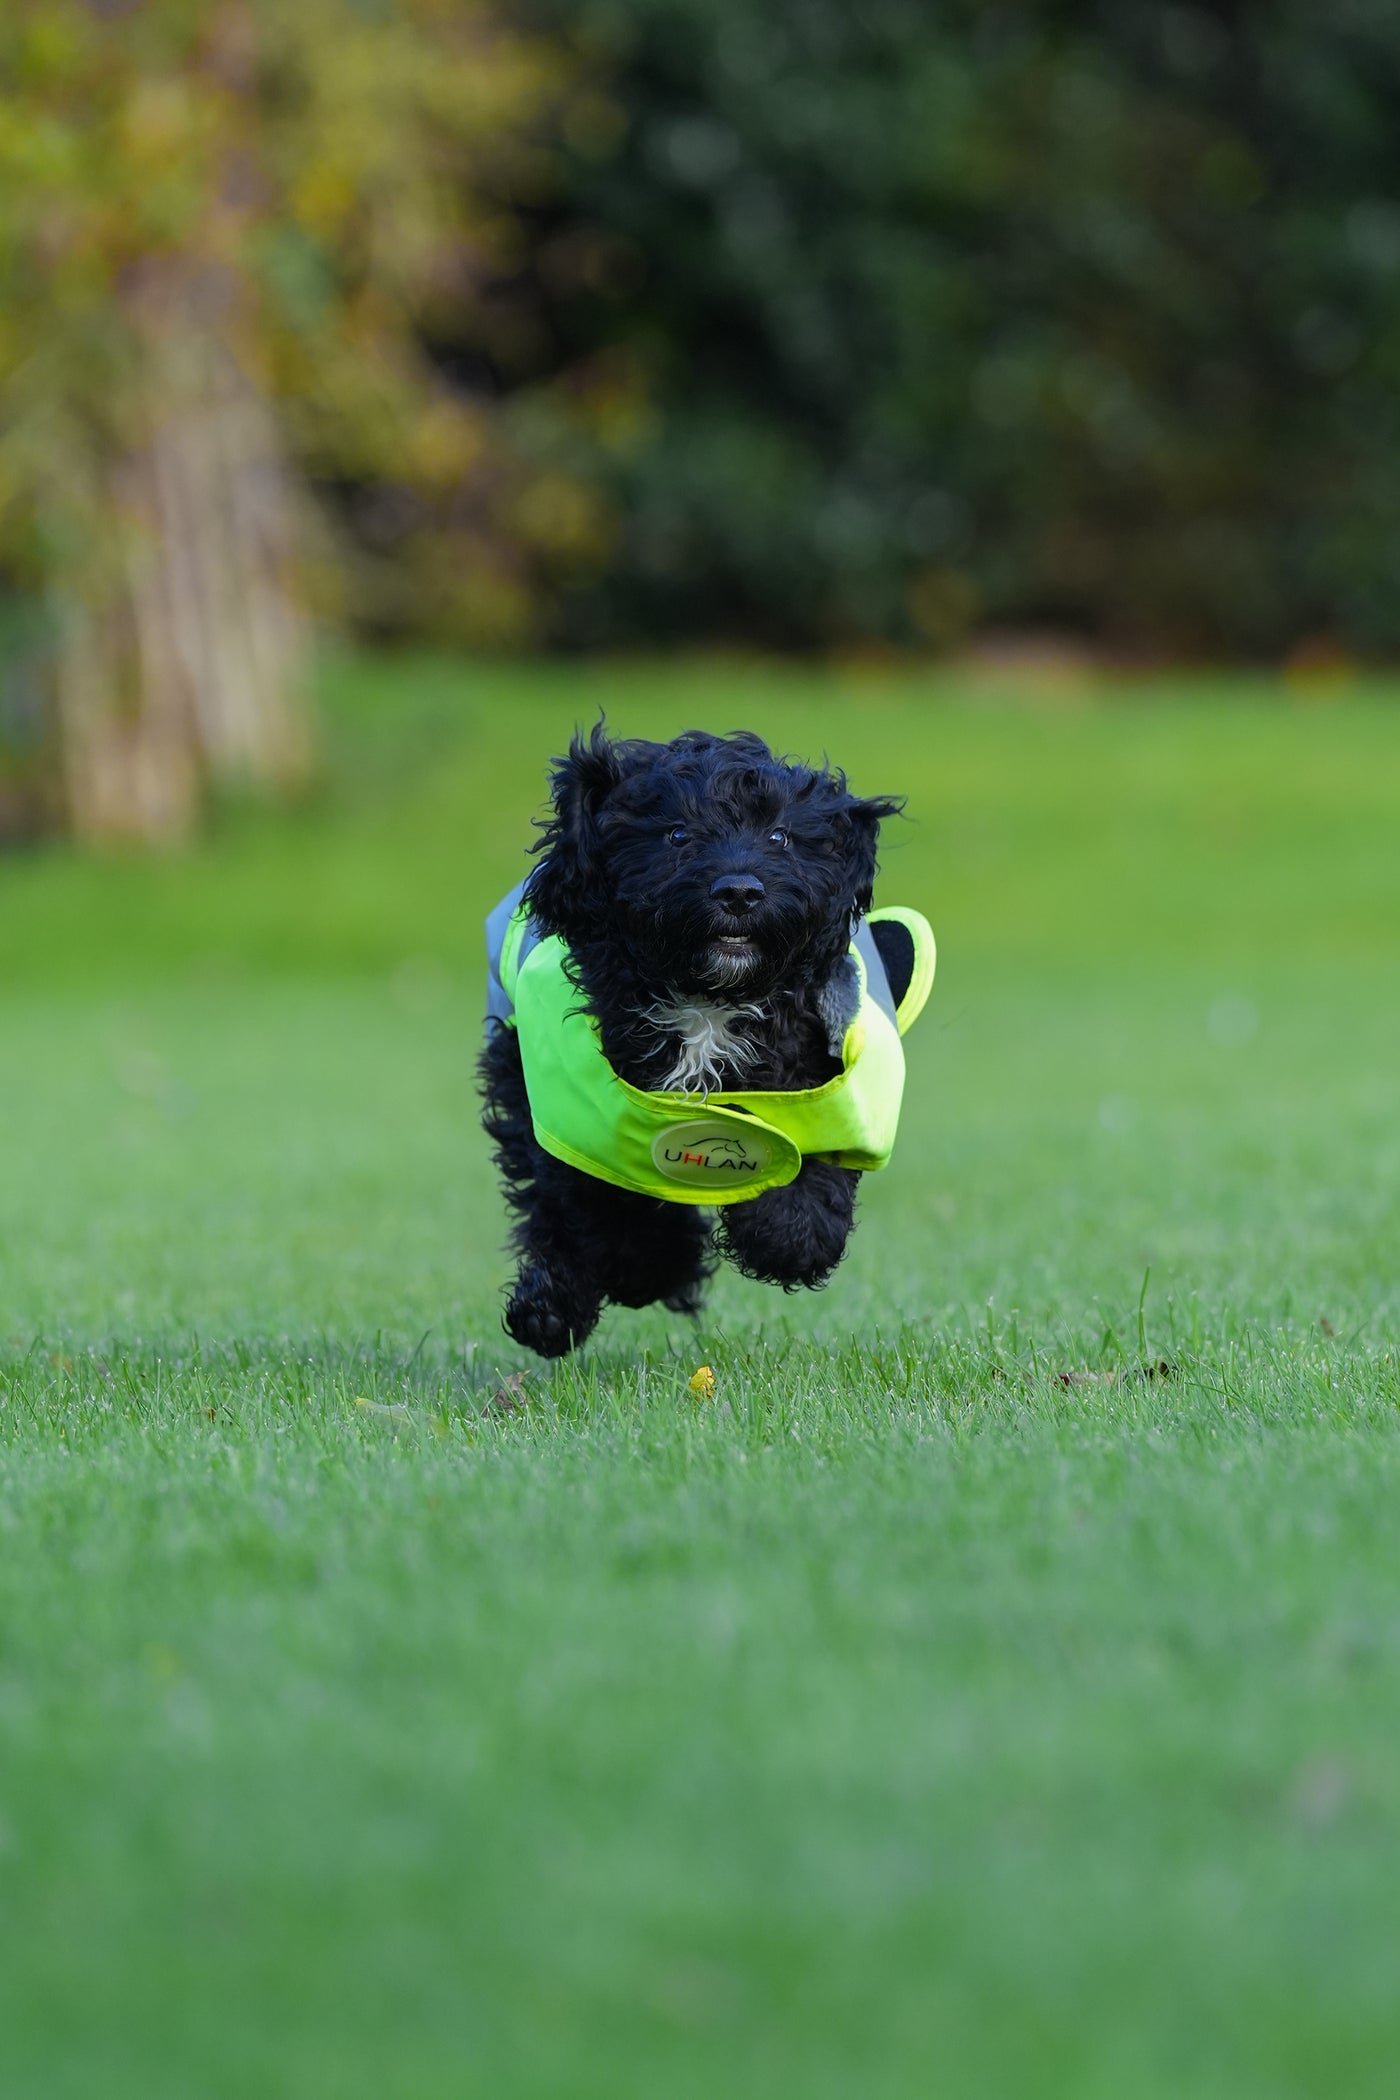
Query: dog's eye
(678, 835)
(777, 836)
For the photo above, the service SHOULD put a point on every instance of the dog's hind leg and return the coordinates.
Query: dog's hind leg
(558, 1293)
(656, 1253)
(793, 1236)
(551, 1309)
(580, 1241)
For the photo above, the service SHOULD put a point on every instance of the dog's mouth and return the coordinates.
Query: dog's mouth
(729, 959)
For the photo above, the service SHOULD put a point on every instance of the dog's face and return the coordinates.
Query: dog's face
(718, 868)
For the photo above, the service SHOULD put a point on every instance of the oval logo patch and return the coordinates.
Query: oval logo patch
(710, 1155)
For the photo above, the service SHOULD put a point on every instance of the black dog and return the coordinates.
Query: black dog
(706, 892)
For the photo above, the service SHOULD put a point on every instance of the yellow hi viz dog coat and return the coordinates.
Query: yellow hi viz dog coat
(689, 1147)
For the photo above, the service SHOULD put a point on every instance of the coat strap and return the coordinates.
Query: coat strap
(925, 960)
(877, 984)
(510, 935)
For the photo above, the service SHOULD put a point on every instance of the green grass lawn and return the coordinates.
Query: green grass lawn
(955, 1705)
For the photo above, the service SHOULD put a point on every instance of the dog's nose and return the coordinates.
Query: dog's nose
(737, 893)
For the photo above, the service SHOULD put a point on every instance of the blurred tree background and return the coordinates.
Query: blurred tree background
(585, 322)
(228, 232)
(1081, 313)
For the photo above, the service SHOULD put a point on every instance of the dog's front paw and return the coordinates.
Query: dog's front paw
(542, 1316)
(793, 1236)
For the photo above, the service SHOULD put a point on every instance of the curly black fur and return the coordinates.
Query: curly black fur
(704, 870)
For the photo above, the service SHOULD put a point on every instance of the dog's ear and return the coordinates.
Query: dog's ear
(865, 815)
(563, 889)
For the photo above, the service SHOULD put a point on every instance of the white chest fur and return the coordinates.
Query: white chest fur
(711, 1052)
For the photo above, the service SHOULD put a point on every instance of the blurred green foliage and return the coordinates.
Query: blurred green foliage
(1076, 315)
(316, 188)
(603, 320)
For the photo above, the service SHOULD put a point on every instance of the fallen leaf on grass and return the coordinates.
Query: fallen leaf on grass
(397, 1413)
(509, 1397)
(1126, 1374)
(702, 1383)
(1326, 1325)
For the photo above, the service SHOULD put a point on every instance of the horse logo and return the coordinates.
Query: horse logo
(708, 1155)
